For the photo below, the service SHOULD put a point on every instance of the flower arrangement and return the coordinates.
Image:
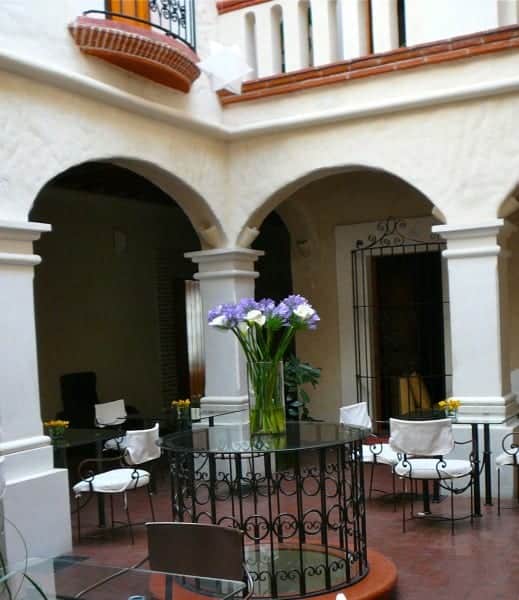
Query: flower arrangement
(264, 330)
(56, 427)
(181, 403)
(181, 413)
(450, 405)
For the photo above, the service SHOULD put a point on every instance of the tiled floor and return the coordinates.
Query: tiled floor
(480, 562)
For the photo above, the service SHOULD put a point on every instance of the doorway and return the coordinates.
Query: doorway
(408, 333)
(399, 305)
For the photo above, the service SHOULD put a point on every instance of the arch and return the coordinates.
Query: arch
(278, 196)
(200, 214)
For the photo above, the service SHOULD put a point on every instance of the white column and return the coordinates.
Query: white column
(323, 32)
(384, 23)
(37, 496)
(225, 275)
(481, 377)
(353, 28)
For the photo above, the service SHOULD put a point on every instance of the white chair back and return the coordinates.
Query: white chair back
(356, 414)
(110, 413)
(421, 438)
(141, 445)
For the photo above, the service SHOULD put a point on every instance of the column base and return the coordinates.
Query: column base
(37, 502)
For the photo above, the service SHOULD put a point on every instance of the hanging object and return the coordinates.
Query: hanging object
(225, 67)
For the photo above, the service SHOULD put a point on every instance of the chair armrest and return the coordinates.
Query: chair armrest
(88, 475)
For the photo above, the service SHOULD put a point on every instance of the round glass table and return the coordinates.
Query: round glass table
(298, 498)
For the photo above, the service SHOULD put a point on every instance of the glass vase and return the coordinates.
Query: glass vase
(266, 398)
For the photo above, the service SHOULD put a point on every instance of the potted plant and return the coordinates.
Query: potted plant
(298, 374)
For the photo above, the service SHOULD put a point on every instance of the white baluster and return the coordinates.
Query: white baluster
(384, 22)
(508, 12)
(322, 32)
(268, 39)
(295, 23)
(353, 28)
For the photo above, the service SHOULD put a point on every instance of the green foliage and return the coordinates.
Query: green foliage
(297, 374)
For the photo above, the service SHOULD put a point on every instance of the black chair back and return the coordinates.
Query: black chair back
(79, 395)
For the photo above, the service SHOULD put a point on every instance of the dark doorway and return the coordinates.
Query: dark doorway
(275, 280)
(408, 332)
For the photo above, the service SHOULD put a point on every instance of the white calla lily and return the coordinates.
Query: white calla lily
(304, 312)
(255, 317)
(243, 326)
(220, 321)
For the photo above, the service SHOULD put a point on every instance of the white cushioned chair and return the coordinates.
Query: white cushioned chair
(110, 414)
(377, 452)
(421, 447)
(141, 447)
(508, 458)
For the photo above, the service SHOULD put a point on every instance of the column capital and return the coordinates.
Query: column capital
(22, 231)
(225, 262)
(470, 231)
(471, 241)
(16, 239)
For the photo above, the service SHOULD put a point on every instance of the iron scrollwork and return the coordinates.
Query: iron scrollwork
(304, 525)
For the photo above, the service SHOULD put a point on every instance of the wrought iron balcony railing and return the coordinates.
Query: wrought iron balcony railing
(174, 18)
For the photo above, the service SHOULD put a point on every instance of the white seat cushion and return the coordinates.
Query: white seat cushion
(431, 468)
(114, 481)
(380, 453)
(507, 459)
(117, 444)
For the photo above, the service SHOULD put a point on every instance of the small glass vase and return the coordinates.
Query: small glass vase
(266, 398)
(56, 432)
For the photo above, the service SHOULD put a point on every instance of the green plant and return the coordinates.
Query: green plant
(297, 374)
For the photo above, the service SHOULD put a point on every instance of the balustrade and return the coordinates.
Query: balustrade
(288, 35)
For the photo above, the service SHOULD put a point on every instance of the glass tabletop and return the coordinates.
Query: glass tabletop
(67, 577)
(80, 437)
(300, 435)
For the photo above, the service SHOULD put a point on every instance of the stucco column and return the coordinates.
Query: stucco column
(480, 369)
(37, 496)
(225, 275)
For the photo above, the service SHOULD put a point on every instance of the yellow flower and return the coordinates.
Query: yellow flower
(56, 423)
(442, 403)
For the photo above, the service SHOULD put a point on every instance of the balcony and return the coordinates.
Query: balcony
(299, 44)
(153, 39)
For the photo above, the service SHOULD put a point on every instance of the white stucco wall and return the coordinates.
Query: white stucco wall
(38, 31)
(47, 131)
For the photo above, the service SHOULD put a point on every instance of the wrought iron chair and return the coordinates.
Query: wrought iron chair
(421, 447)
(141, 447)
(377, 452)
(198, 550)
(508, 458)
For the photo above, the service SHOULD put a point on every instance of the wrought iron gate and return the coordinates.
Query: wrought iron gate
(398, 321)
